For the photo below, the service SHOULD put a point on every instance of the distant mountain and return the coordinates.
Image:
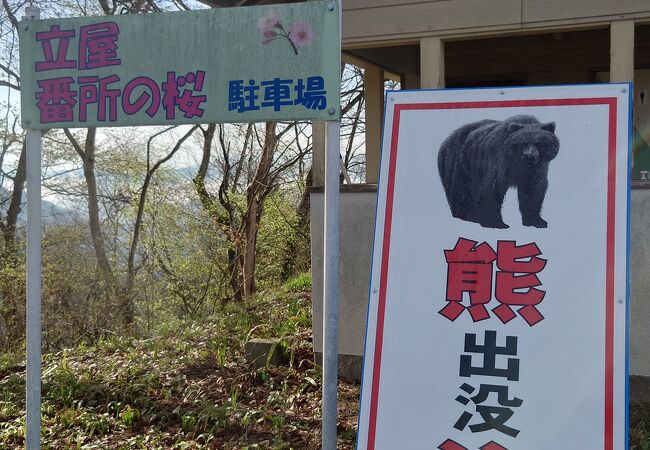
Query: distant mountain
(51, 212)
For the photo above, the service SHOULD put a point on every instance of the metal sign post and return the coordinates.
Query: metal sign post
(33, 389)
(331, 285)
(34, 227)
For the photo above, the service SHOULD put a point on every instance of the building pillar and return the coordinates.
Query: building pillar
(374, 97)
(432, 63)
(621, 51)
(318, 154)
(621, 55)
(411, 81)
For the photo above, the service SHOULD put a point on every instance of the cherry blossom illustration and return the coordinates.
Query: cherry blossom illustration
(299, 35)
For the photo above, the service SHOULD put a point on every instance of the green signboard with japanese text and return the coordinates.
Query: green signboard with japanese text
(247, 64)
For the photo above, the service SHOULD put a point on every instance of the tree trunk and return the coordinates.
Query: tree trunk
(250, 229)
(257, 190)
(236, 279)
(131, 269)
(293, 257)
(87, 155)
(210, 205)
(9, 231)
(93, 205)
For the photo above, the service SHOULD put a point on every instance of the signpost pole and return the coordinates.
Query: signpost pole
(331, 285)
(33, 323)
(33, 390)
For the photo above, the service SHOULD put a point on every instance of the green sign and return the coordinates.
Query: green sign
(245, 64)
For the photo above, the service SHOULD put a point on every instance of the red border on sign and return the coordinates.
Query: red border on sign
(611, 217)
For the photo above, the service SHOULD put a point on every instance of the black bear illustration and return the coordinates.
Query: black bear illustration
(479, 161)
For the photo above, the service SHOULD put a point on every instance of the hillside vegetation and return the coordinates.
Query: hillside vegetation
(186, 387)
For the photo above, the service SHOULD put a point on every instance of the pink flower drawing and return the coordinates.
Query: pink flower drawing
(269, 35)
(301, 33)
(269, 21)
(270, 25)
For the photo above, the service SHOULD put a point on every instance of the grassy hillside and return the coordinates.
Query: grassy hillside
(186, 387)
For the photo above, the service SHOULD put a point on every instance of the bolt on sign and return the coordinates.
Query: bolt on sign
(278, 62)
(497, 316)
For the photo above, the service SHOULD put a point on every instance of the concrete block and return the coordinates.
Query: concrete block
(256, 352)
(640, 283)
(350, 366)
(639, 390)
(357, 223)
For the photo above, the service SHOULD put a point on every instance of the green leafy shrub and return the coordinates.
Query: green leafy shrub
(299, 283)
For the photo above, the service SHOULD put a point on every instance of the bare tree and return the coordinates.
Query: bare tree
(353, 121)
(264, 156)
(87, 154)
(12, 136)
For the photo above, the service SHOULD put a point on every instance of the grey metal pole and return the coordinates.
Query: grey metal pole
(33, 391)
(331, 285)
(33, 382)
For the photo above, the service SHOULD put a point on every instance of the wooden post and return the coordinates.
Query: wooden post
(374, 97)
(432, 63)
(621, 51)
(621, 56)
(411, 81)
